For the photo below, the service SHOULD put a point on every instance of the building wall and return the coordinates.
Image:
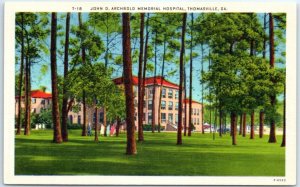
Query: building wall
(37, 104)
(169, 112)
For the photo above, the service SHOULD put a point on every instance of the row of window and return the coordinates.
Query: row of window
(163, 106)
(195, 121)
(43, 101)
(78, 119)
(164, 93)
(170, 93)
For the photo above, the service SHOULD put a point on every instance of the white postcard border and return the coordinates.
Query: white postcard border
(9, 47)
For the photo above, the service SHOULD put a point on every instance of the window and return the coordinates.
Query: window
(71, 119)
(79, 120)
(170, 118)
(43, 101)
(163, 93)
(149, 117)
(135, 116)
(144, 116)
(94, 117)
(170, 93)
(198, 112)
(144, 104)
(48, 101)
(101, 117)
(198, 121)
(150, 91)
(170, 107)
(33, 100)
(176, 118)
(176, 106)
(176, 94)
(194, 111)
(149, 104)
(163, 117)
(135, 103)
(135, 91)
(163, 105)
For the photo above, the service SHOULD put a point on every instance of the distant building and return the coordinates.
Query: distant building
(39, 101)
(169, 105)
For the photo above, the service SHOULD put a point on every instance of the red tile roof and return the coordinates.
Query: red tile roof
(39, 94)
(150, 81)
(188, 101)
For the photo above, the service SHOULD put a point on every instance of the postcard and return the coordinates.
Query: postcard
(158, 93)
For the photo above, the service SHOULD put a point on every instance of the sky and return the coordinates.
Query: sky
(39, 79)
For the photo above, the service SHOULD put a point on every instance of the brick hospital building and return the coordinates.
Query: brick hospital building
(169, 104)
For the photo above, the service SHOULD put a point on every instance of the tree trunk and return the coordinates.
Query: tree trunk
(64, 114)
(118, 126)
(21, 79)
(241, 124)
(140, 98)
(202, 90)
(154, 84)
(210, 120)
(284, 124)
(244, 124)
(225, 123)
(145, 60)
(215, 122)
(27, 90)
(185, 104)
(252, 125)
(262, 113)
(191, 77)
(179, 129)
(220, 121)
(127, 69)
(233, 127)
(261, 124)
(83, 56)
(104, 121)
(209, 64)
(272, 137)
(57, 138)
(96, 126)
(161, 82)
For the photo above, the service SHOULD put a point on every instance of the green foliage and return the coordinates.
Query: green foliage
(148, 127)
(35, 28)
(44, 117)
(239, 79)
(74, 126)
(85, 38)
(100, 90)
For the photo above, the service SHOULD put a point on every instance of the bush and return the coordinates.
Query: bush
(45, 117)
(148, 127)
(74, 126)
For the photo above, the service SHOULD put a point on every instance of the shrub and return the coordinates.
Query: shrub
(74, 126)
(148, 127)
(45, 117)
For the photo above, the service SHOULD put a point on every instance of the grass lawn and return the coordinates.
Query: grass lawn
(158, 155)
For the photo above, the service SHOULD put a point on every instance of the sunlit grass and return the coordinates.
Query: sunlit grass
(157, 155)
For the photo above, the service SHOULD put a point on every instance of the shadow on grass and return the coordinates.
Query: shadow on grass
(158, 155)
